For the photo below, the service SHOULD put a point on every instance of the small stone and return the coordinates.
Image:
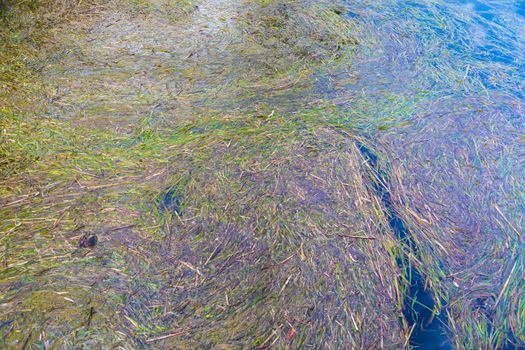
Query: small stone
(88, 240)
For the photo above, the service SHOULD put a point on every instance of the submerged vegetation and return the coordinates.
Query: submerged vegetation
(213, 174)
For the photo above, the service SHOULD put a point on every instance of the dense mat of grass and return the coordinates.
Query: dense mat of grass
(225, 230)
(272, 225)
(213, 149)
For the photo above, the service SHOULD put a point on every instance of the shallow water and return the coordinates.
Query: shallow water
(429, 96)
(428, 331)
(441, 87)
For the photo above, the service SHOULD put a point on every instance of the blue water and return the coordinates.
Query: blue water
(441, 86)
(429, 331)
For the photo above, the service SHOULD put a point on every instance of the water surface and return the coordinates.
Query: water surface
(440, 85)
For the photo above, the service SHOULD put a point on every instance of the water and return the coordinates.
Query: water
(434, 90)
(429, 331)
(440, 85)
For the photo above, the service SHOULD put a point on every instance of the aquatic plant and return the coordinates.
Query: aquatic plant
(238, 175)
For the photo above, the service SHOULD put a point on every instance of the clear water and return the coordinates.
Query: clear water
(441, 85)
(435, 87)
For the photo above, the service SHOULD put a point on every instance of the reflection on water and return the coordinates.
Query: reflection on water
(521, 9)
